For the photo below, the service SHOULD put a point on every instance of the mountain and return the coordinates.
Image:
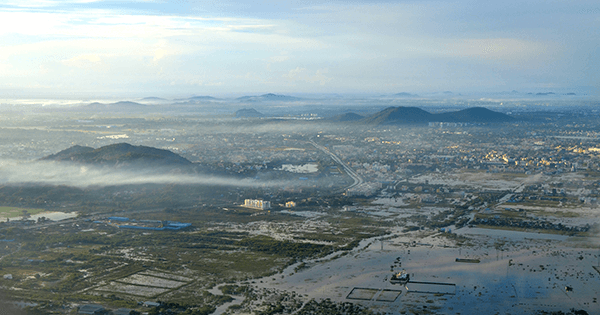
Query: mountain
(248, 113)
(196, 100)
(399, 115)
(123, 106)
(201, 98)
(404, 115)
(65, 154)
(473, 114)
(119, 154)
(268, 98)
(404, 94)
(347, 117)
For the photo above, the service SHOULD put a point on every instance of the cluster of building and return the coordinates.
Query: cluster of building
(257, 204)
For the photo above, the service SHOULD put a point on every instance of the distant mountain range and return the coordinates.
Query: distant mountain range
(403, 115)
(115, 107)
(404, 94)
(119, 154)
(196, 99)
(268, 98)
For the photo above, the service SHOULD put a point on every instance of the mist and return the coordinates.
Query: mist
(83, 176)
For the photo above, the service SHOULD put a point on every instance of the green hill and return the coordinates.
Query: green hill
(408, 115)
(118, 154)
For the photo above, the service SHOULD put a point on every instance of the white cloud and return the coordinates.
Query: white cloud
(496, 48)
(303, 75)
(281, 58)
(362, 45)
(84, 61)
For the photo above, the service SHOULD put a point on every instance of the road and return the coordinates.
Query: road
(357, 179)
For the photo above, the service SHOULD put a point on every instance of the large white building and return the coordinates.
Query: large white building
(257, 204)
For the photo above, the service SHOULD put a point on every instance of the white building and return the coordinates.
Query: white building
(257, 204)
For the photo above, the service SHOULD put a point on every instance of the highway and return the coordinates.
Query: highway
(357, 179)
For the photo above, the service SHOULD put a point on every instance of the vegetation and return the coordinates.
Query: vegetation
(327, 307)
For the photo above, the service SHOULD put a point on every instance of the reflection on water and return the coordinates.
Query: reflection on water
(513, 235)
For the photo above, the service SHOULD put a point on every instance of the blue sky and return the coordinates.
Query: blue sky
(171, 48)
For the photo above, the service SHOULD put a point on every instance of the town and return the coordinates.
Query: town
(288, 215)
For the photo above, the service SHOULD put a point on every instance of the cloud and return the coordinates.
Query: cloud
(363, 45)
(496, 48)
(280, 58)
(84, 61)
(56, 173)
(304, 75)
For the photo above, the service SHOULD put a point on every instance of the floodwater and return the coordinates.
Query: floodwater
(54, 216)
(512, 235)
(518, 273)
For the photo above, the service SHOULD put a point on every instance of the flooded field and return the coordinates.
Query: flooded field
(517, 273)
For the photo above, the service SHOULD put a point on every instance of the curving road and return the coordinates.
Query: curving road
(357, 179)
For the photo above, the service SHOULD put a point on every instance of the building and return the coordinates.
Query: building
(290, 204)
(257, 204)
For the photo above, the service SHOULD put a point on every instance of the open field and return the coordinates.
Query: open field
(16, 212)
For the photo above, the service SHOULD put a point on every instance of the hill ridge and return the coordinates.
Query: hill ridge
(409, 114)
(119, 154)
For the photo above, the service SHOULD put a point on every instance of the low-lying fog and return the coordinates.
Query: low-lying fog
(77, 175)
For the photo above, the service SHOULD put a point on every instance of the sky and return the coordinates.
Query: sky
(180, 48)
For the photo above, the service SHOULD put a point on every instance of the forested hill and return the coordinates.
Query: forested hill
(399, 115)
(121, 153)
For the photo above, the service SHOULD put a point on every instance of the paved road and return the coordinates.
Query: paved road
(357, 179)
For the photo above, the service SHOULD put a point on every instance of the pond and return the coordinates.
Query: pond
(54, 216)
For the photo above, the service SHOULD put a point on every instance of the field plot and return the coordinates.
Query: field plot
(131, 289)
(147, 284)
(431, 287)
(362, 294)
(388, 295)
(146, 280)
(165, 275)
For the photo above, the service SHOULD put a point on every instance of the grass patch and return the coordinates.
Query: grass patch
(15, 212)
